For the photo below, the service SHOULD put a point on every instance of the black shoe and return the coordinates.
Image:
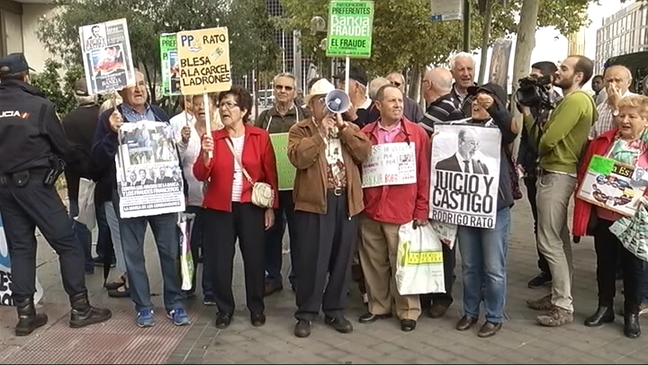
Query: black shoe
(28, 320)
(539, 281)
(83, 314)
(602, 315)
(371, 318)
(223, 320)
(465, 323)
(631, 327)
(257, 319)
(489, 329)
(340, 324)
(303, 328)
(408, 325)
(438, 310)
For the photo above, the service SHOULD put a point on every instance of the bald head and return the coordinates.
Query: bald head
(375, 85)
(436, 83)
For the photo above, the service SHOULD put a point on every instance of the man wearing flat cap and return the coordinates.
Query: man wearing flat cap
(33, 146)
(358, 113)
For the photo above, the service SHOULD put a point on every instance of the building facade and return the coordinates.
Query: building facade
(18, 29)
(576, 42)
(622, 33)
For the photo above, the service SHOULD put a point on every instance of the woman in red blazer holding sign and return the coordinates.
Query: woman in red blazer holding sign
(229, 212)
(627, 143)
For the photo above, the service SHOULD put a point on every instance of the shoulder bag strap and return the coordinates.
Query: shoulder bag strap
(268, 125)
(238, 160)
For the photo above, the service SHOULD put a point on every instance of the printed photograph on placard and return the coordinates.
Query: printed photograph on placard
(464, 179)
(107, 58)
(609, 184)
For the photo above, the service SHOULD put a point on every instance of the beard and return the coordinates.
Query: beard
(565, 83)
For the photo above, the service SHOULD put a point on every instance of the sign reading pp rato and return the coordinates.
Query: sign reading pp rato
(350, 28)
(204, 61)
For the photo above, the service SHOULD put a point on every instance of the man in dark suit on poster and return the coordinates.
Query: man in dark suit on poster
(463, 160)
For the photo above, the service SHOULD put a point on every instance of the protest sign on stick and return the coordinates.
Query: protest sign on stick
(170, 64)
(204, 64)
(107, 57)
(464, 181)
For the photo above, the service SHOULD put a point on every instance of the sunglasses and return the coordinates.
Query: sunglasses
(283, 87)
(397, 84)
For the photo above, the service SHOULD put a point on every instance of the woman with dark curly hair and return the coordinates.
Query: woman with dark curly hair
(229, 212)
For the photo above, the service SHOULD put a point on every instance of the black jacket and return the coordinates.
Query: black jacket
(79, 126)
(30, 131)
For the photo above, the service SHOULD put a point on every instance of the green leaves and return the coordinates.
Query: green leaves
(57, 90)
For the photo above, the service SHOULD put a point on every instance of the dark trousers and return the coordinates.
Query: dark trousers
(449, 263)
(285, 215)
(197, 245)
(323, 256)
(530, 183)
(246, 222)
(83, 235)
(606, 245)
(35, 205)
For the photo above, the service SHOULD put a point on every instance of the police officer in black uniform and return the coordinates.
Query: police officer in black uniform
(33, 147)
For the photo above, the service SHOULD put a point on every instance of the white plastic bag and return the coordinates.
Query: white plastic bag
(86, 203)
(186, 259)
(419, 263)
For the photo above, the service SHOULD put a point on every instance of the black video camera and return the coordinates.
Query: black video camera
(535, 92)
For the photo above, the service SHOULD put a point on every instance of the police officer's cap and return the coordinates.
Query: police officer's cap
(14, 63)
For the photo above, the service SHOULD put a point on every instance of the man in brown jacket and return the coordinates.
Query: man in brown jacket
(326, 152)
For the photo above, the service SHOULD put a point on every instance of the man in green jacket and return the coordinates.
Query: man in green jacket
(561, 142)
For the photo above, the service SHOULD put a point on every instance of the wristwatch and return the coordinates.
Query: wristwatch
(615, 113)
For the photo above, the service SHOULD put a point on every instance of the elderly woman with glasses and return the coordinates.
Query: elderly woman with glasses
(326, 152)
(229, 212)
(628, 144)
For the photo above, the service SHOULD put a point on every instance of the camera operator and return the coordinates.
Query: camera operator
(560, 143)
(33, 144)
(528, 152)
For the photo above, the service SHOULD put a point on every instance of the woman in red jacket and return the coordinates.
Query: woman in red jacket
(627, 143)
(229, 212)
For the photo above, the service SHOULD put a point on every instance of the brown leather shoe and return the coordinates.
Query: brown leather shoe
(465, 323)
(438, 310)
(489, 329)
(272, 288)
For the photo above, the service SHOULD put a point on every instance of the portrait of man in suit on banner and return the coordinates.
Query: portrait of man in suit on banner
(465, 159)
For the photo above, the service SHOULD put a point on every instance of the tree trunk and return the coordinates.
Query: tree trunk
(523, 47)
(488, 15)
(415, 82)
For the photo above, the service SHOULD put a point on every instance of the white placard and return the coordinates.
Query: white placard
(390, 164)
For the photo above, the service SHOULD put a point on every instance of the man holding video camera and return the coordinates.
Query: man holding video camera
(540, 97)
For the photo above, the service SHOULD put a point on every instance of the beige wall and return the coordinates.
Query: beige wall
(33, 48)
(13, 34)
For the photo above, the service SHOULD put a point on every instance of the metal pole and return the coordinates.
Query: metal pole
(466, 25)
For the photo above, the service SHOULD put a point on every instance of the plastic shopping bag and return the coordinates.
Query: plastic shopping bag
(86, 203)
(633, 231)
(419, 263)
(186, 259)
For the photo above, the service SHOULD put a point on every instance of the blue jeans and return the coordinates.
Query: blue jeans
(198, 246)
(483, 263)
(83, 235)
(167, 240)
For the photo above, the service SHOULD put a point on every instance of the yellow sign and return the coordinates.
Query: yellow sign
(204, 61)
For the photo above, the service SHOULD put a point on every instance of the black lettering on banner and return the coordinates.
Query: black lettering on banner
(462, 219)
(5, 289)
(458, 191)
(203, 73)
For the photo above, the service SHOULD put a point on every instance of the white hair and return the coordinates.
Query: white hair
(375, 85)
(285, 74)
(461, 55)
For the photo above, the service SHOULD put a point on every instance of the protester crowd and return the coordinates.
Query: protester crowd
(339, 230)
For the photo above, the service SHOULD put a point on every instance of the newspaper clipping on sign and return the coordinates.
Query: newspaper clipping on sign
(609, 184)
(170, 64)
(204, 61)
(390, 164)
(464, 179)
(107, 57)
(149, 178)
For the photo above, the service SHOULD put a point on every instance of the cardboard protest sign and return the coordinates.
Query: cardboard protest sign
(350, 29)
(390, 164)
(609, 184)
(170, 64)
(204, 61)
(464, 181)
(107, 57)
(285, 170)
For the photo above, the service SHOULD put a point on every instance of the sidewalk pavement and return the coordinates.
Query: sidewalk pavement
(434, 341)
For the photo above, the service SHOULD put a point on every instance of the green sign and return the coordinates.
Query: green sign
(285, 170)
(170, 64)
(349, 29)
(601, 165)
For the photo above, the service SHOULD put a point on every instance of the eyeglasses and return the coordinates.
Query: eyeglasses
(397, 84)
(283, 87)
(227, 104)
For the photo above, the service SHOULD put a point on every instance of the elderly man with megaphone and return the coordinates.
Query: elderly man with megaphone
(326, 152)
